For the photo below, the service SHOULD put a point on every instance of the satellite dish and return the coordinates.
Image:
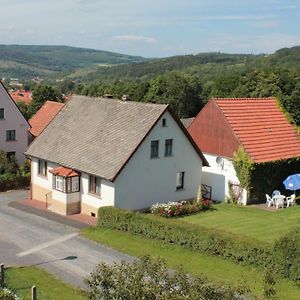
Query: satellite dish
(220, 162)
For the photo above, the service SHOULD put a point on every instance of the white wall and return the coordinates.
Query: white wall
(45, 182)
(145, 181)
(218, 177)
(13, 120)
(107, 188)
(107, 197)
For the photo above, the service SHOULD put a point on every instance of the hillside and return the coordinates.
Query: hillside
(207, 65)
(50, 61)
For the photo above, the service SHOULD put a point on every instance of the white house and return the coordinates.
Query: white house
(13, 127)
(105, 152)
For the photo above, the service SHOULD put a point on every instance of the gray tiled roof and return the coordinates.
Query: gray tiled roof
(96, 135)
(187, 122)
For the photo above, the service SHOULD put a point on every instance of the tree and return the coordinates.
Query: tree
(151, 280)
(181, 91)
(40, 95)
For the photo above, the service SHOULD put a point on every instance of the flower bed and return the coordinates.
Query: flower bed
(174, 209)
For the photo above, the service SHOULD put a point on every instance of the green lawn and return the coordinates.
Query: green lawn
(249, 221)
(214, 268)
(20, 280)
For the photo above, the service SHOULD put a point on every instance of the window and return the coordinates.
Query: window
(168, 147)
(180, 181)
(59, 183)
(10, 135)
(95, 185)
(1, 113)
(154, 149)
(66, 184)
(164, 122)
(42, 168)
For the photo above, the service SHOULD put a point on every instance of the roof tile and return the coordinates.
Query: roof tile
(261, 128)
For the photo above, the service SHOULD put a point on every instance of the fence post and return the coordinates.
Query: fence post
(33, 293)
(1, 274)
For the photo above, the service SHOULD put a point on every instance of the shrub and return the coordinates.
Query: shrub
(190, 236)
(152, 280)
(174, 209)
(6, 294)
(13, 181)
(287, 254)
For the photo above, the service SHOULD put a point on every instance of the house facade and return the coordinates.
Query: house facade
(105, 152)
(13, 127)
(256, 124)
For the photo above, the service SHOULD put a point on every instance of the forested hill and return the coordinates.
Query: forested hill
(50, 61)
(211, 64)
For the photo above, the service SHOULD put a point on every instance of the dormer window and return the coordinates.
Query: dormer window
(164, 122)
(1, 113)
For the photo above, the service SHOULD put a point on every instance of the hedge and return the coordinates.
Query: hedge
(283, 257)
(186, 235)
(11, 181)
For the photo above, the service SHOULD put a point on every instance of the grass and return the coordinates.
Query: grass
(20, 280)
(251, 222)
(214, 268)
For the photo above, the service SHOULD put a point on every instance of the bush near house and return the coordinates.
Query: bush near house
(13, 176)
(283, 257)
(262, 178)
(182, 208)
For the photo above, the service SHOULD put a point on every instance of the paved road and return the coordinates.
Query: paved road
(28, 239)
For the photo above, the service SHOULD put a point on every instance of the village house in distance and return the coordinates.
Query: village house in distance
(105, 152)
(13, 127)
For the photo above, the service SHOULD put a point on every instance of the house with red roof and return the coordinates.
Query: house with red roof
(22, 96)
(44, 116)
(256, 124)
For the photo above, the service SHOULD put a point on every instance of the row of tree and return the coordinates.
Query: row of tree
(187, 93)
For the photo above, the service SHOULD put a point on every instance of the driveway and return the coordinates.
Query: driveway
(28, 239)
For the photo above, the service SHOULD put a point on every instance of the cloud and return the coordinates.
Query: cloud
(266, 24)
(30, 31)
(134, 38)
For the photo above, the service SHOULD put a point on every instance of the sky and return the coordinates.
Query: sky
(156, 28)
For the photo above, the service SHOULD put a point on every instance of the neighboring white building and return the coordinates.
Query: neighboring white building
(105, 152)
(13, 127)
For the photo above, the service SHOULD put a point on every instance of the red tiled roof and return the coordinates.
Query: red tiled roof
(44, 116)
(261, 127)
(20, 95)
(64, 172)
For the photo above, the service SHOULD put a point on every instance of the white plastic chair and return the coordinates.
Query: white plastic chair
(290, 200)
(269, 201)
